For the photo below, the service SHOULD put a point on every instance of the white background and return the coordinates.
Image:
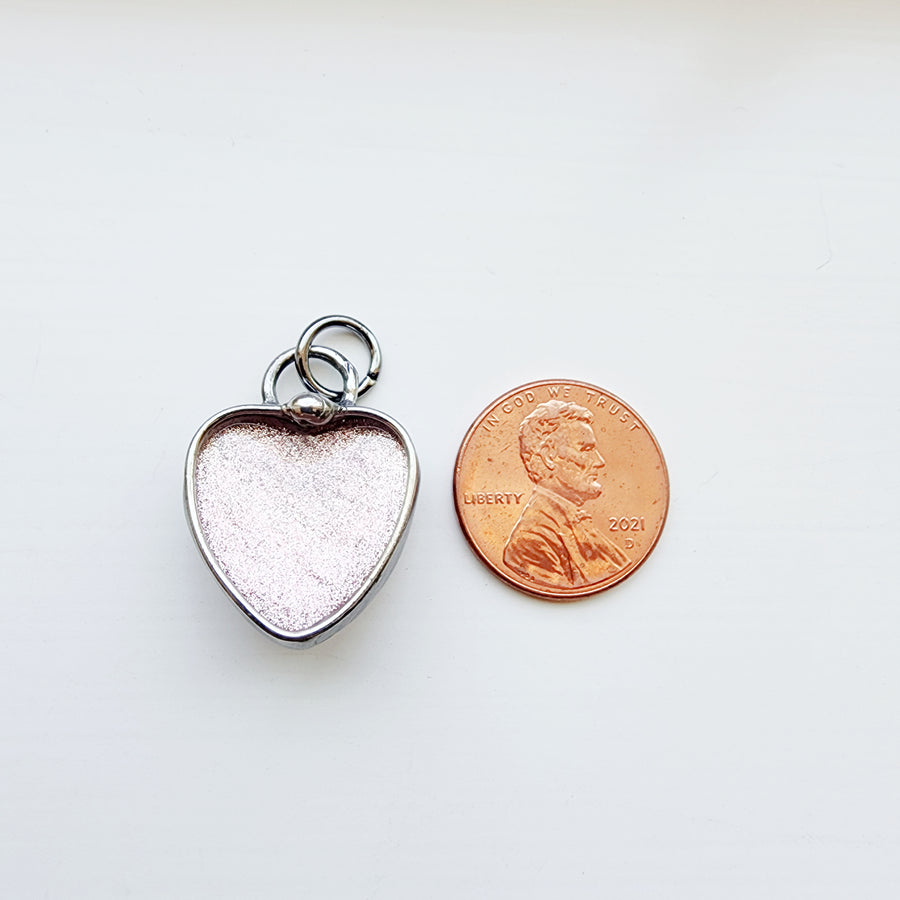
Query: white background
(693, 204)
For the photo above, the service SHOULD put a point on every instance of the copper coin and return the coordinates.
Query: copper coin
(561, 489)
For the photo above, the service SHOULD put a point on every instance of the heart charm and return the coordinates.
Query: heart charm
(299, 510)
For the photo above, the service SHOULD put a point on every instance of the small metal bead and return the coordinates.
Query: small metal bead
(311, 409)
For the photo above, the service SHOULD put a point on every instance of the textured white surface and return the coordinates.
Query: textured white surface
(297, 520)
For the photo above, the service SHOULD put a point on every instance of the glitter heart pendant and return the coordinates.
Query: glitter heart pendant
(300, 509)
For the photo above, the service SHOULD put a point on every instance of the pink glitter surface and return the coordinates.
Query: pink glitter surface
(298, 520)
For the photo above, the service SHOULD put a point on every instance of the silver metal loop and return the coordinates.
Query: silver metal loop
(305, 351)
(346, 396)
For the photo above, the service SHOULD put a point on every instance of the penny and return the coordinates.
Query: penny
(561, 489)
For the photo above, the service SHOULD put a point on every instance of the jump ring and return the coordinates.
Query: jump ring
(350, 377)
(305, 350)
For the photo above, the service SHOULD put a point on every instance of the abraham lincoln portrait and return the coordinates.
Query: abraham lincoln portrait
(555, 543)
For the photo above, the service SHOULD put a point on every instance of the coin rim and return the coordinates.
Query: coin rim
(574, 593)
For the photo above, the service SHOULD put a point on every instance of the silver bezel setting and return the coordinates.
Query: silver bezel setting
(320, 411)
(358, 601)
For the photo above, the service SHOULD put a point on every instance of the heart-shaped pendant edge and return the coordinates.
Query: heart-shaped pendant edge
(360, 599)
